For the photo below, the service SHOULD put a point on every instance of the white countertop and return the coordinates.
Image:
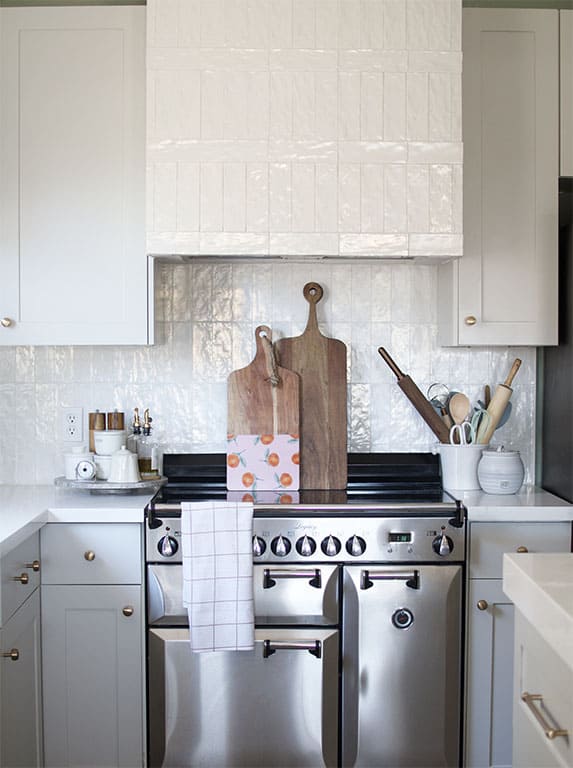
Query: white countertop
(541, 587)
(25, 508)
(530, 504)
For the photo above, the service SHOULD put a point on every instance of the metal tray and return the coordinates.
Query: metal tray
(105, 486)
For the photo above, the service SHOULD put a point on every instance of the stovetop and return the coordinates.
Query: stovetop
(410, 482)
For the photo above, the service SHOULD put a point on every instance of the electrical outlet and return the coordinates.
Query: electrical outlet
(72, 425)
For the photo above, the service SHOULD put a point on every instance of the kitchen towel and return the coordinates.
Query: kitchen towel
(218, 574)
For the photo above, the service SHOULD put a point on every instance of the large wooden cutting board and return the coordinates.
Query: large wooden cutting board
(321, 365)
(255, 406)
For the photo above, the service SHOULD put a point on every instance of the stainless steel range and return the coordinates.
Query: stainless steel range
(358, 602)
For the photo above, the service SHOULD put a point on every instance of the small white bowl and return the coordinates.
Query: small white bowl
(103, 466)
(108, 441)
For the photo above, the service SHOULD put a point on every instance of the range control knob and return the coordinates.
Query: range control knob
(356, 546)
(305, 546)
(280, 546)
(259, 546)
(442, 545)
(331, 546)
(167, 546)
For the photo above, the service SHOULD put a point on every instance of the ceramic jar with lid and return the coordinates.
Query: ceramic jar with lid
(500, 471)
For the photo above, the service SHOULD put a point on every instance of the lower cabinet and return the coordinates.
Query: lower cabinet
(490, 635)
(92, 645)
(20, 688)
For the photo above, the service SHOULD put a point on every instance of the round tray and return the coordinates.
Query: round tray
(105, 486)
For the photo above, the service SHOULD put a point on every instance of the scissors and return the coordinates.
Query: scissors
(462, 434)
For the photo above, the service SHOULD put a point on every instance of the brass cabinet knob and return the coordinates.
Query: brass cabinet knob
(23, 578)
(482, 605)
(14, 654)
(35, 566)
(6, 322)
(89, 555)
(470, 320)
(522, 550)
(128, 610)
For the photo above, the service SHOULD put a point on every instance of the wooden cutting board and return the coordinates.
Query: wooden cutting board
(321, 365)
(254, 405)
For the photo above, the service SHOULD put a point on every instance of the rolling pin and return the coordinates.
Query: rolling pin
(497, 405)
(420, 403)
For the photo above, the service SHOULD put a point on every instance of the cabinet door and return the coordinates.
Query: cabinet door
(20, 688)
(504, 288)
(93, 676)
(566, 80)
(72, 117)
(489, 676)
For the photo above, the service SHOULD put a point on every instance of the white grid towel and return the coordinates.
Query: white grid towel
(218, 574)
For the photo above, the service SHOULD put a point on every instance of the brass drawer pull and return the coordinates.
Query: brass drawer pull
(551, 733)
(128, 610)
(6, 322)
(89, 555)
(14, 654)
(482, 605)
(35, 566)
(522, 550)
(23, 578)
(470, 320)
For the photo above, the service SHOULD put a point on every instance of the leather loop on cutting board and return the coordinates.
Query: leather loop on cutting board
(263, 334)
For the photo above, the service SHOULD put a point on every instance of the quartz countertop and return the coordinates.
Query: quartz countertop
(541, 587)
(24, 509)
(530, 504)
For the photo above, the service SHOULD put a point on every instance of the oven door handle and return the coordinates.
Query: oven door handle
(314, 647)
(271, 575)
(368, 577)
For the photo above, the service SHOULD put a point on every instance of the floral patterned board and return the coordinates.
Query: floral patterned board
(263, 463)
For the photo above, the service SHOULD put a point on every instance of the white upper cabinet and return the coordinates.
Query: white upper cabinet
(566, 28)
(504, 289)
(73, 268)
(328, 129)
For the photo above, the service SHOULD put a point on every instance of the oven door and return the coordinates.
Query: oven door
(401, 665)
(273, 706)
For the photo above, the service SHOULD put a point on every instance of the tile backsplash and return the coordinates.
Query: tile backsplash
(206, 316)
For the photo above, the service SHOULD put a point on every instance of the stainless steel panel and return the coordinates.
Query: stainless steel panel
(401, 662)
(240, 708)
(291, 598)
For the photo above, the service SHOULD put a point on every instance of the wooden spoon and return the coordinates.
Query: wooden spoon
(459, 406)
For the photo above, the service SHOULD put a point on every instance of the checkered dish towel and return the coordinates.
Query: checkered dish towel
(218, 574)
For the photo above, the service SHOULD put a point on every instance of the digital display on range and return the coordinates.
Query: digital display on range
(400, 537)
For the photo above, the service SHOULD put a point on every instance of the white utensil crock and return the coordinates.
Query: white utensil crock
(459, 465)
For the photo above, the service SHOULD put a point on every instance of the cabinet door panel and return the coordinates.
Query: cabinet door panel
(93, 676)
(20, 686)
(72, 117)
(489, 676)
(566, 72)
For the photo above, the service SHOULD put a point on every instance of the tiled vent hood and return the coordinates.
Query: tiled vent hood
(300, 128)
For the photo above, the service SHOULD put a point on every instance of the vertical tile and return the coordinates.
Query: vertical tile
(234, 106)
(234, 197)
(418, 196)
(457, 198)
(372, 191)
(417, 106)
(349, 25)
(280, 23)
(326, 197)
(212, 106)
(280, 197)
(258, 105)
(372, 24)
(380, 307)
(394, 106)
(303, 23)
(211, 197)
(164, 192)
(326, 24)
(188, 186)
(441, 198)
(303, 201)
(258, 24)
(257, 202)
(303, 105)
(395, 213)
(163, 23)
(236, 24)
(281, 105)
(440, 106)
(326, 106)
(177, 108)
(349, 198)
(394, 25)
(372, 106)
(189, 28)
(212, 21)
(349, 106)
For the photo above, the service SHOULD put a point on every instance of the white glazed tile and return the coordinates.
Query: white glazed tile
(441, 190)
(395, 208)
(372, 152)
(164, 195)
(456, 107)
(257, 191)
(394, 106)
(188, 196)
(372, 193)
(361, 287)
(177, 108)
(359, 421)
(258, 24)
(372, 106)
(281, 105)
(234, 197)
(384, 246)
(326, 197)
(189, 27)
(303, 199)
(440, 107)
(418, 194)
(349, 198)
(258, 105)
(380, 306)
(181, 301)
(435, 61)
(326, 105)
(349, 105)
(373, 61)
(372, 24)
(233, 244)
(303, 60)
(211, 197)
(236, 24)
(401, 291)
(234, 105)
(435, 245)
(417, 106)
(280, 197)
(326, 24)
(212, 21)
(349, 24)
(303, 105)
(280, 23)
(162, 22)
(303, 244)
(435, 152)
(210, 150)
(457, 199)
(183, 243)
(212, 105)
(303, 24)
(8, 365)
(394, 25)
